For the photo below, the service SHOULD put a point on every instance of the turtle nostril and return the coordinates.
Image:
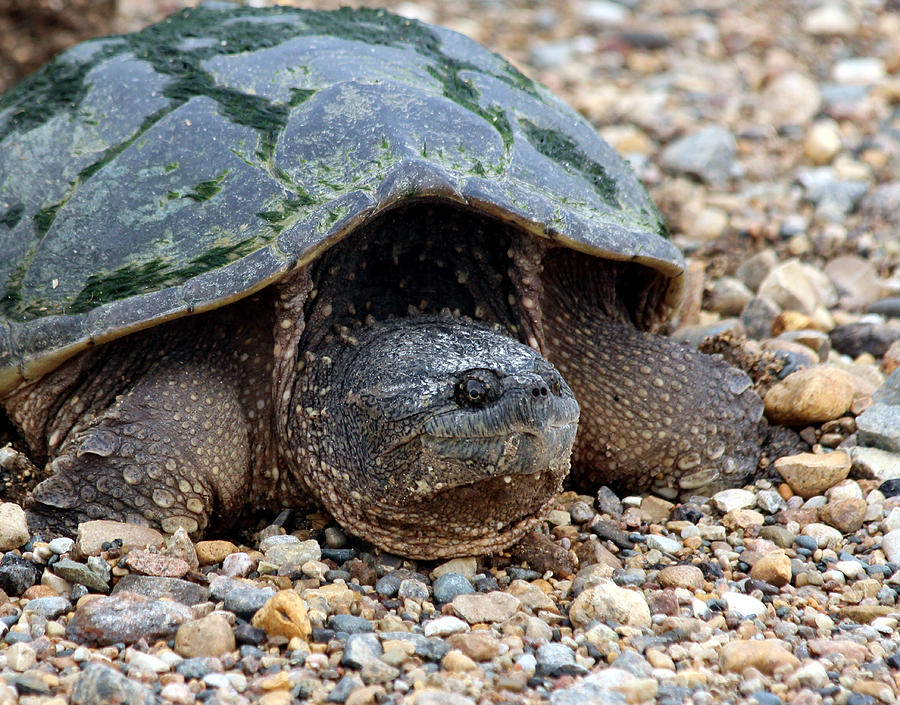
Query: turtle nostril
(538, 392)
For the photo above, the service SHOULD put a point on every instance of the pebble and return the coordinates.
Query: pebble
(50, 607)
(182, 591)
(845, 515)
(448, 585)
(100, 684)
(708, 154)
(811, 474)
(125, 618)
(773, 568)
(487, 607)
(765, 655)
(284, 614)
(210, 636)
(812, 395)
(665, 544)
(689, 577)
(93, 534)
(152, 563)
(17, 574)
(13, 526)
(444, 626)
(212, 552)
(798, 287)
(729, 500)
(608, 602)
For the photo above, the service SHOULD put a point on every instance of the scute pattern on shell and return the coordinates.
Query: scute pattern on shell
(174, 170)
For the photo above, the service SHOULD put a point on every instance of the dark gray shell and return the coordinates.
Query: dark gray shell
(156, 174)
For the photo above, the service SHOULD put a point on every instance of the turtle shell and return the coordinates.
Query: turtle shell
(174, 170)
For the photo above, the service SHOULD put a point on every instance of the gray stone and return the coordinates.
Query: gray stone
(557, 660)
(99, 684)
(293, 553)
(770, 501)
(758, 316)
(854, 339)
(663, 543)
(449, 585)
(182, 591)
(754, 269)
(247, 601)
(888, 307)
(49, 607)
(412, 589)
(586, 692)
(728, 296)
(889, 392)
(883, 201)
(126, 618)
(17, 574)
(81, 574)
(879, 427)
(708, 154)
(344, 687)
(551, 55)
(360, 649)
(350, 624)
(429, 649)
(875, 463)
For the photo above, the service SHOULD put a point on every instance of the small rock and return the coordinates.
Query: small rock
(845, 515)
(666, 544)
(125, 618)
(246, 601)
(13, 526)
(478, 645)
(444, 626)
(824, 536)
(557, 660)
(82, 574)
(744, 605)
(809, 396)
(182, 591)
(210, 636)
(61, 545)
(179, 545)
(708, 154)
(765, 655)
(606, 601)
(879, 427)
(830, 19)
(461, 566)
(823, 142)
(456, 661)
(487, 607)
(295, 552)
(284, 614)
(811, 674)
(856, 280)
(791, 99)
(799, 287)
(20, 657)
(447, 586)
(689, 577)
(773, 568)
(875, 464)
(859, 70)
(99, 684)
(890, 544)
(850, 650)
(728, 296)
(50, 607)
(17, 574)
(729, 500)
(758, 317)
(238, 565)
(810, 474)
(151, 563)
(854, 339)
(753, 270)
(655, 510)
(212, 552)
(349, 624)
(93, 534)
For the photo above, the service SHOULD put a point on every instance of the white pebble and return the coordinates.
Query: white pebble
(20, 657)
(744, 605)
(891, 521)
(61, 545)
(663, 543)
(851, 569)
(729, 500)
(444, 626)
(890, 544)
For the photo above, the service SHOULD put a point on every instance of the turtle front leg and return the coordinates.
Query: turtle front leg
(173, 451)
(656, 415)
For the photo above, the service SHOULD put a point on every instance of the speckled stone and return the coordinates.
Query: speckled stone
(210, 636)
(606, 601)
(689, 577)
(764, 655)
(773, 568)
(810, 474)
(93, 534)
(487, 607)
(125, 618)
(13, 526)
(284, 614)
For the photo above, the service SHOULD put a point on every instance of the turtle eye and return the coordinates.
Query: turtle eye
(472, 391)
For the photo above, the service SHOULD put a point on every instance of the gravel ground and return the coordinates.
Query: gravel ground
(770, 137)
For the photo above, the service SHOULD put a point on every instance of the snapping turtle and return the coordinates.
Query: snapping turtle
(262, 257)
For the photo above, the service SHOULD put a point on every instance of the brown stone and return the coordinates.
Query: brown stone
(477, 645)
(773, 568)
(592, 551)
(606, 601)
(765, 655)
(742, 519)
(810, 474)
(655, 510)
(850, 650)
(811, 395)
(150, 563)
(284, 614)
(93, 534)
(689, 577)
(486, 607)
(210, 636)
(845, 515)
(212, 552)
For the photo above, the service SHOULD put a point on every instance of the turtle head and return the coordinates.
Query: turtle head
(448, 438)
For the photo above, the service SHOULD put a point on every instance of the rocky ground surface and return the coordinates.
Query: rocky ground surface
(769, 134)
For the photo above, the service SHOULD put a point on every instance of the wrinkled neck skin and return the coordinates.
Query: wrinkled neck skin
(431, 436)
